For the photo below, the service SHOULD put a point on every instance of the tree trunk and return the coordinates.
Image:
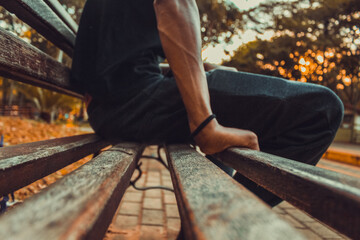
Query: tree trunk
(52, 116)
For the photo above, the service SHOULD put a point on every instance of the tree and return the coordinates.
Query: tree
(314, 41)
(48, 103)
(220, 20)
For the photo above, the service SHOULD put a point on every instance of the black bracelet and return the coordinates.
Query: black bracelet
(202, 125)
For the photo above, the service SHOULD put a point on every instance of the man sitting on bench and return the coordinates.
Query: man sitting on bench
(118, 50)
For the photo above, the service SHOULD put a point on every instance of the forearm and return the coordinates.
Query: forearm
(179, 29)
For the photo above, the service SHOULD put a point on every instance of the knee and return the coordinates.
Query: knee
(331, 106)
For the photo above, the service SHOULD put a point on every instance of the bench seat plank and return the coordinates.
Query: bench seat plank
(23, 164)
(80, 205)
(213, 206)
(24, 62)
(331, 197)
(40, 16)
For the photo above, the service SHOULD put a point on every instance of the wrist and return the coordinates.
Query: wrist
(202, 126)
(196, 120)
(205, 128)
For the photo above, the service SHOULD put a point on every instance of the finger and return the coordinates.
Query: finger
(245, 138)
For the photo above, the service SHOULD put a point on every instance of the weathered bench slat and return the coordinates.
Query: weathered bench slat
(61, 12)
(331, 197)
(23, 164)
(39, 15)
(213, 206)
(23, 62)
(79, 206)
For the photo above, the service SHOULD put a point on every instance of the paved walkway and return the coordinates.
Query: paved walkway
(148, 215)
(154, 215)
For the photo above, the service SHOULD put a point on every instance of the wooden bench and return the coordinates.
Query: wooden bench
(211, 204)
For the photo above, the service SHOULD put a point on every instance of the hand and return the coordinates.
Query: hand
(215, 138)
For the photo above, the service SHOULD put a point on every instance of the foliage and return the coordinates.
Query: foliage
(74, 8)
(220, 20)
(314, 41)
(48, 103)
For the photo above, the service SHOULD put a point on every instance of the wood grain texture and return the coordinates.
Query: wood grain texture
(23, 62)
(331, 197)
(213, 206)
(39, 15)
(23, 164)
(80, 205)
(63, 14)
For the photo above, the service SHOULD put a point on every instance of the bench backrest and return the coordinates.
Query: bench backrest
(23, 62)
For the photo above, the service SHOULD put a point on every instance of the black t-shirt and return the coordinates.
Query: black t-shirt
(117, 47)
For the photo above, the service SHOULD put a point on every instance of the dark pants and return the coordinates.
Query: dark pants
(291, 119)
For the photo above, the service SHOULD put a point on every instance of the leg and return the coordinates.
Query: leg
(154, 114)
(292, 119)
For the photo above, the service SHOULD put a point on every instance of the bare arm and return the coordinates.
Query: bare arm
(179, 29)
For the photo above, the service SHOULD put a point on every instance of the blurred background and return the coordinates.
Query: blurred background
(314, 41)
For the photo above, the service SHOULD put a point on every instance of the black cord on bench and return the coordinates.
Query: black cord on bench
(138, 167)
(158, 158)
(133, 183)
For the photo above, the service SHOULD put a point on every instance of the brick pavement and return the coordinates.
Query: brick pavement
(304, 223)
(148, 215)
(153, 214)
